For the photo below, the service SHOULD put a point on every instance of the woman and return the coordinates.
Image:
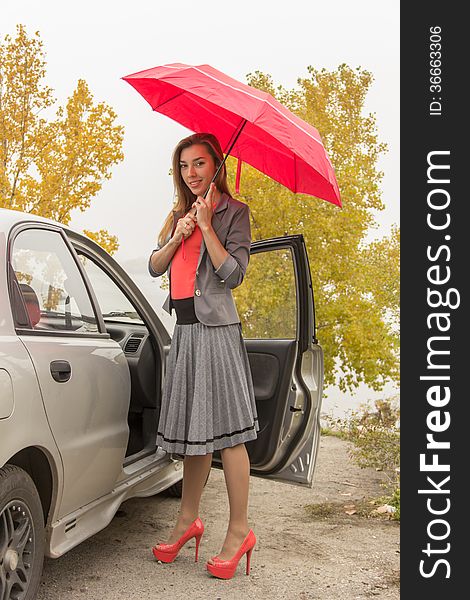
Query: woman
(208, 400)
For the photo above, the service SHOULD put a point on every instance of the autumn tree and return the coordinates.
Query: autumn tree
(50, 167)
(104, 239)
(356, 284)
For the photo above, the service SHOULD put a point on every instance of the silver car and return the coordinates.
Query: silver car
(82, 364)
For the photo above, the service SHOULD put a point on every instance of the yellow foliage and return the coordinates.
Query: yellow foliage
(266, 301)
(50, 167)
(104, 239)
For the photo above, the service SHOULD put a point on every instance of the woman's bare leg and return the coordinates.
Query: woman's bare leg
(236, 466)
(195, 472)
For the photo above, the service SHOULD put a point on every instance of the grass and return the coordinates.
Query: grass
(375, 435)
(365, 509)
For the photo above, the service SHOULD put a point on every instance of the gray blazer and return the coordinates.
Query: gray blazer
(213, 300)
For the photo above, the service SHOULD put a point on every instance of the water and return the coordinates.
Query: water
(339, 405)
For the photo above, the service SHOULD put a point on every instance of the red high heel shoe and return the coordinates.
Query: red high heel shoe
(225, 569)
(168, 552)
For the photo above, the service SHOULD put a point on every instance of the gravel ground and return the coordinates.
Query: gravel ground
(330, 556)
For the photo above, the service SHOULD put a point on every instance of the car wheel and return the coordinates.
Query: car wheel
(21, 535)
(176, 490)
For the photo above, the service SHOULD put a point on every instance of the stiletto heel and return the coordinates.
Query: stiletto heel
(248, 559)
(225, 569)
(198, 540)
(168, 552)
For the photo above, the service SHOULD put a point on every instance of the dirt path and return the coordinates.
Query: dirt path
(331, 556)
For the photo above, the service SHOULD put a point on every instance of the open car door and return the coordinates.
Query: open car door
(276, 308)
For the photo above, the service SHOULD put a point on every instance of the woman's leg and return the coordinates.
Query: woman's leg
(236, 466)
(195, 472)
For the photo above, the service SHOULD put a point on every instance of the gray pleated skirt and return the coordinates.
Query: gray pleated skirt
(208, 400)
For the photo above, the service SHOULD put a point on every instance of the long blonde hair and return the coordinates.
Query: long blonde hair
(184, 196)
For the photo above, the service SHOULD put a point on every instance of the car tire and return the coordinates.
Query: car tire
(22, 538)
(176, 490)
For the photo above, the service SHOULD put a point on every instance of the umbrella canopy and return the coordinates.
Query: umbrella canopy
(270, 137)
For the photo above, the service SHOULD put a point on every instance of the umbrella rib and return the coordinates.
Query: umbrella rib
(180, 93)
(267, 102)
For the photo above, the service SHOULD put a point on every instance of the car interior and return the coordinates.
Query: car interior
(31, 303)
(145, 371)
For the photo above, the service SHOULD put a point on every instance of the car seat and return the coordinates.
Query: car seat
(31, 302)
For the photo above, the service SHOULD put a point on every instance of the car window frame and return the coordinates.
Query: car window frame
(112, 278)
(117, 274)
(260, 247)
(15, 296)
(306, 320)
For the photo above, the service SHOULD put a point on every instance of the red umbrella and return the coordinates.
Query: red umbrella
(252, 125)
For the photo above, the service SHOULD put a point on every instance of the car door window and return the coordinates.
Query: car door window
(114, 305)
(52, 287)
(267, 301)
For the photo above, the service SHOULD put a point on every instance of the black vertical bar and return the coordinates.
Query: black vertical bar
(434, 260)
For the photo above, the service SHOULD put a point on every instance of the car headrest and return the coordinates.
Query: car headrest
(32, 303)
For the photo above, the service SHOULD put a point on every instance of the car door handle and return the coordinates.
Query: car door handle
(61, 370)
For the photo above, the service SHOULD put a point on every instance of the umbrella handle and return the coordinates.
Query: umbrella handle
(226, 154)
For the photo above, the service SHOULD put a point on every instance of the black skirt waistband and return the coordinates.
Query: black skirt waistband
(185, 313)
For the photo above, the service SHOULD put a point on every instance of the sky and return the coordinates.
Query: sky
(103, 41)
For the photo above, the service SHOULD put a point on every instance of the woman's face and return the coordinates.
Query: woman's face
(197, 168)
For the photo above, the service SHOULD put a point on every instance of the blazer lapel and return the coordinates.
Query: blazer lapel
(216, 222)
(218, 213)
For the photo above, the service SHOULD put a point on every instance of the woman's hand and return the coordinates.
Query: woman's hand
(184, 227)
(205, 208)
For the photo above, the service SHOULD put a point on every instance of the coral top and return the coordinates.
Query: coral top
(184, 265)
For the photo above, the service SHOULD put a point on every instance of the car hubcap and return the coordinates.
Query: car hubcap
(16, 550)
(11, 560)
